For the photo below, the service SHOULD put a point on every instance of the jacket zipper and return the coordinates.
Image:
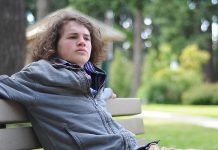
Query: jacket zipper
(101, 112)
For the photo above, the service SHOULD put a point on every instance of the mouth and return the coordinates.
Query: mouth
(81, 51)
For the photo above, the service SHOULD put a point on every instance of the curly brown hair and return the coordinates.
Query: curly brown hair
(45, 44)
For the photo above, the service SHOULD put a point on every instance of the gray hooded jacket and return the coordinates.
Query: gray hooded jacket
(63, 112)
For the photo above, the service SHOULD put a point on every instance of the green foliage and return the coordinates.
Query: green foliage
(163, 84)
(167, 85)
(205, 94)
(170, 26)
(192, 58)
(30, 6)
(177, 24)
(118, 7)
(55, 4)
(121, 75)
(153, 87)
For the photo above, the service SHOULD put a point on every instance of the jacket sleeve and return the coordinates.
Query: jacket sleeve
(3, 91)
(13, 89)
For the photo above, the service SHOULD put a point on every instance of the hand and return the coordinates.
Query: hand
(113, 96)
(154, 147)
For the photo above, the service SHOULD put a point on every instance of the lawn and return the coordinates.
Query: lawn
(195, 110)
(180, 135)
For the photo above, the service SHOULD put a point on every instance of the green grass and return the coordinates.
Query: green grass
(194, 110)
(180, 135)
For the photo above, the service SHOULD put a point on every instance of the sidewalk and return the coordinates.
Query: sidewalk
(202, 121)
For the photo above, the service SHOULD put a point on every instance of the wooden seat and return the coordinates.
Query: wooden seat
(19, 134)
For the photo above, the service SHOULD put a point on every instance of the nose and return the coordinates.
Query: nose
(81, 41)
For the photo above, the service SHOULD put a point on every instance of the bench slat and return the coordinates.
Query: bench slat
(24, 138)
(18, 138)
(11, 112)
(124, 106)
(135, 125)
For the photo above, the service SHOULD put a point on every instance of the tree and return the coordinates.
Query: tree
(207, 10)
(170, 23)
(137, 47)
(180, 23)
(12, 36)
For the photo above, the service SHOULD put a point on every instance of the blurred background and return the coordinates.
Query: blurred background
(163, 51)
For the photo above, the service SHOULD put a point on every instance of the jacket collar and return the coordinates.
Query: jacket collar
(98, 76)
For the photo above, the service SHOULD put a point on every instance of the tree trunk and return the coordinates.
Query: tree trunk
(215, 57)
(209, 67)
(12, 36)
(137, 52)
(215, 48)
(43, 8)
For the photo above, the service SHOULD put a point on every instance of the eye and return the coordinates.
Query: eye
(87, 38)
(73, 37)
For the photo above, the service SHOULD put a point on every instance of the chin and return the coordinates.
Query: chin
(83, 63)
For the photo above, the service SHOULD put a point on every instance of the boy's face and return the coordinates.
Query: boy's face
(74, 44)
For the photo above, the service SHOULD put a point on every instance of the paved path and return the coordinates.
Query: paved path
(202, 121)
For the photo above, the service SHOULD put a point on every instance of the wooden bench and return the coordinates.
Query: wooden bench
(19, 134)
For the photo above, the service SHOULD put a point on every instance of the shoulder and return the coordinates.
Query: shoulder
(38, 64)
(42, 67)
(43, 71)
(35, 68)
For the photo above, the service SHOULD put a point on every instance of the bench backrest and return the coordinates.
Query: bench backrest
(19, 134)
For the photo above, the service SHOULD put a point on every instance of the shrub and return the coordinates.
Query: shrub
(120, 75)
(164, 81)
(206, 94)
(168, 85)
(192, 57)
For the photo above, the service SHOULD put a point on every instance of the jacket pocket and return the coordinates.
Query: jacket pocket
(88, 141)
(75, 138)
